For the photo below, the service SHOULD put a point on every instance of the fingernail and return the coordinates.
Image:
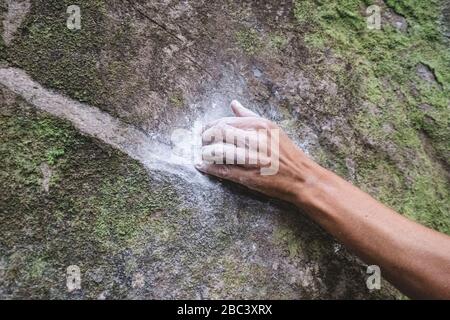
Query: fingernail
(235, 104)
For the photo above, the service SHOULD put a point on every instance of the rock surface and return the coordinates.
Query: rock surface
(88, 111)
(16, 11)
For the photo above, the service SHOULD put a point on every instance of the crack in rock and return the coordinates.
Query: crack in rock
(98, 124)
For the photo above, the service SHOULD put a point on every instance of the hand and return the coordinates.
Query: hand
(256, 153)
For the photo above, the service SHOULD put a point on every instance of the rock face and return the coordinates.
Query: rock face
(445, 20)
(86, 122)
(425, 73)
(16, 11)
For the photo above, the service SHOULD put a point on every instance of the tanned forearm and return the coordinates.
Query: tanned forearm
(414, 258)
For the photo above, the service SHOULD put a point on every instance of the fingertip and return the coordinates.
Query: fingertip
(200, 167)
(240, 111)
(235, 107)
(235, 103)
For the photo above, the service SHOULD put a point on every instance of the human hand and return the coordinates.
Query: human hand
(256, 153)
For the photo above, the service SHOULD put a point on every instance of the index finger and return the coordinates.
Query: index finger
(237, 122)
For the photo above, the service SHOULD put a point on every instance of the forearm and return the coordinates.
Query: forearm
(413, 257)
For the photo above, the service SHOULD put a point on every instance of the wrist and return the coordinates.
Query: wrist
(313, 186)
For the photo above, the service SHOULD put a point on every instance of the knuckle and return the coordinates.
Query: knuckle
(223, 122)
(269, 124)
(217, 133)
(230, 134)
(264, 124)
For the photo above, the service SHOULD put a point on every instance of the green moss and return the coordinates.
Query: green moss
(84, 64)
(314, 41)
(177, 100)
(61, 58)
(249, 41)
(235, 276)
(122, 207)
(99, 204)
(287, 237)
(277, 41)
(53, 154)
(303, 11)
(36, 268)
(391, 57)
(22, 153)
(387, 96)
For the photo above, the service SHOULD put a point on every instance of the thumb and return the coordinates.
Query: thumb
(240, 111)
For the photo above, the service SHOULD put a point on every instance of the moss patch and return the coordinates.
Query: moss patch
(288, 238)
(84, 64)
(248, 40)
(176, 99)
(393, 107)
(98, 204)
(61, 58)
(277, 41)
